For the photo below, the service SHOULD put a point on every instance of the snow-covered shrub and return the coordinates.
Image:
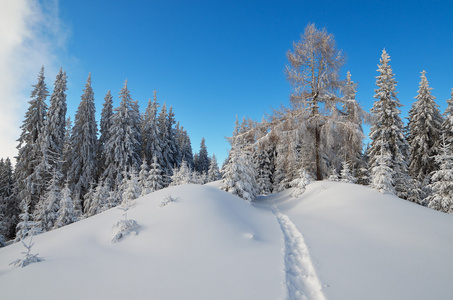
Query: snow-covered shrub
(300, 183)
(167, 200)
(346, 174)
(28, 257)
(333, 175)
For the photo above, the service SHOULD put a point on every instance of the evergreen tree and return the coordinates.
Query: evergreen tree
(143, 178)
(26, 222)
(333, 175)
(9, 204)
(382, 174)
(84, 140)
(66, 213)
(67, 148)
(132, 190)
(214, 172)
(46, 212)
(263, 172)
(122, 148)
(181, 175)
(387, 132)
(447, 125)
(2, 231)
(164, 161)
(300, 183)
(105, 125)
(99, 201)
(203, 162)
(185, 146)
(175, 158)
(155, 176)
(346, 173)
(239, 177)
(424, 131)
(29, 148)
(442, 182)
(152, 144)
(351, 129)
(52, 138)
(89, 199)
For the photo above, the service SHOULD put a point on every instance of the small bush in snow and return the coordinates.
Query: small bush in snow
(28, 257)
(125, 227)
(167, 200)
(300, 183)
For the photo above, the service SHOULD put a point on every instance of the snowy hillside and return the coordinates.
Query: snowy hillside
(337, 241)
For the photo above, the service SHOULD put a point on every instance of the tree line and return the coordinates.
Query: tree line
(320, 135)
(65, 172)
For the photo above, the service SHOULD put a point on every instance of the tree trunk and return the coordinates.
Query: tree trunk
(318, 151)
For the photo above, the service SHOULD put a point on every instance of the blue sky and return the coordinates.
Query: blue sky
(213, 60)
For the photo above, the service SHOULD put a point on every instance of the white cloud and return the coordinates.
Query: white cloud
(31, 35)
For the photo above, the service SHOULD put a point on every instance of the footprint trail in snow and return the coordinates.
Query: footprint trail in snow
(301, 279)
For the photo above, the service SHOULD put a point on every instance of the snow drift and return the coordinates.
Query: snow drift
(336, 241)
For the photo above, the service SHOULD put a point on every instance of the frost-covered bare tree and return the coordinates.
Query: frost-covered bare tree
(313, 71)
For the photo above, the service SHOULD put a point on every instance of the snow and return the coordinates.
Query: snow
(335, 241)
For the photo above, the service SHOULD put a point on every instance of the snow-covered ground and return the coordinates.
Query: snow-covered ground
(337, 241)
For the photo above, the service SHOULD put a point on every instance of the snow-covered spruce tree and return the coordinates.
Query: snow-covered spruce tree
(155, 176)
(29, 148)
(52, 138)
(239, 177)
(333, 176)
(351, 127)
(299, 184)
(442, 182)
(185, 146)
(9, 203)
(28, 257)
(105, 125)
(313, 71)
(26, 222)
(66, 213)
(123, 147)
(3, 228)
(263, 172)
(203, 162)
(98, 202)
(152, 144)
(447, 125)
(381, 174)
(127, 226)
(346, 173)
(164, 159)
(387, 132)
(84, 140)
(89, 198)
(181, 175)
(26, 228)
(67, 147)
(46, 212)
(132, 190)
(213, 172)
(143, 175)
(176, 157)
(424, 132)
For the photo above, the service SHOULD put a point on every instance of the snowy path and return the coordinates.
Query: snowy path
(301, 279)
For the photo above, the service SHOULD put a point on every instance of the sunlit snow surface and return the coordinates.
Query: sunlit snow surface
(337, 241)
